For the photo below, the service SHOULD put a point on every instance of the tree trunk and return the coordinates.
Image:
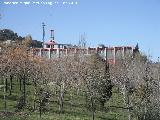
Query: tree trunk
(20, 84)
(102, 105)
(24, 90)
(86, 100)
(4, 96)
(126, 101)
(71, 101)
(128, 106)
(40, 109)
(61, 98)
(11, 85)
(145, 111)
(6, 84)
(34, 100)
(34, 104)
(124, 94)
(78, 91)
(93, 109)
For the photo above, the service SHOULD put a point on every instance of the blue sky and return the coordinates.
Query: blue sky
(109, 22)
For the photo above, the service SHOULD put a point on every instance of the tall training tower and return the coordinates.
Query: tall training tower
(52, 34)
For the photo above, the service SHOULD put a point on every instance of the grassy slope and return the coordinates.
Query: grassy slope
(73, 110)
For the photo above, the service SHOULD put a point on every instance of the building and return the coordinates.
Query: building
(53, 50)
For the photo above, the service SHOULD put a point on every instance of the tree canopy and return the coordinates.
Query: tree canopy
(7, 34)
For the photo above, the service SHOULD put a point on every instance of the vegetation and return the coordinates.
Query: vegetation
(7, 34)
(77, 87)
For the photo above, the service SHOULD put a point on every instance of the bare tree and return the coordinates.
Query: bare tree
(96, 82)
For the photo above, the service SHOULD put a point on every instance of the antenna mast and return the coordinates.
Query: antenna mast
(52, 34)
(43, 33)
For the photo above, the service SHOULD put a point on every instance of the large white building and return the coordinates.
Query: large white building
(54, 50)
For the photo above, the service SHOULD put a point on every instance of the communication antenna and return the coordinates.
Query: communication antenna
(43, 33)
(52, 34)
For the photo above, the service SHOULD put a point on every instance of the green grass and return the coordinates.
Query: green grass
(73, 110)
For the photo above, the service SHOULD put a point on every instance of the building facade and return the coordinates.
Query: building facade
(54, 50)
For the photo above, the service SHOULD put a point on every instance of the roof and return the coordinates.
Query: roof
(51, 42)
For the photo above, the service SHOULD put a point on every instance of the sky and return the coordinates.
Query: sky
(109, 22)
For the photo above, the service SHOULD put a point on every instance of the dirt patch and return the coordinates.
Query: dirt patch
(8, 114)
(11, 114)
(21, 114)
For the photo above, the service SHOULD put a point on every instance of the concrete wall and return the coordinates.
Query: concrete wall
(110, 53)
